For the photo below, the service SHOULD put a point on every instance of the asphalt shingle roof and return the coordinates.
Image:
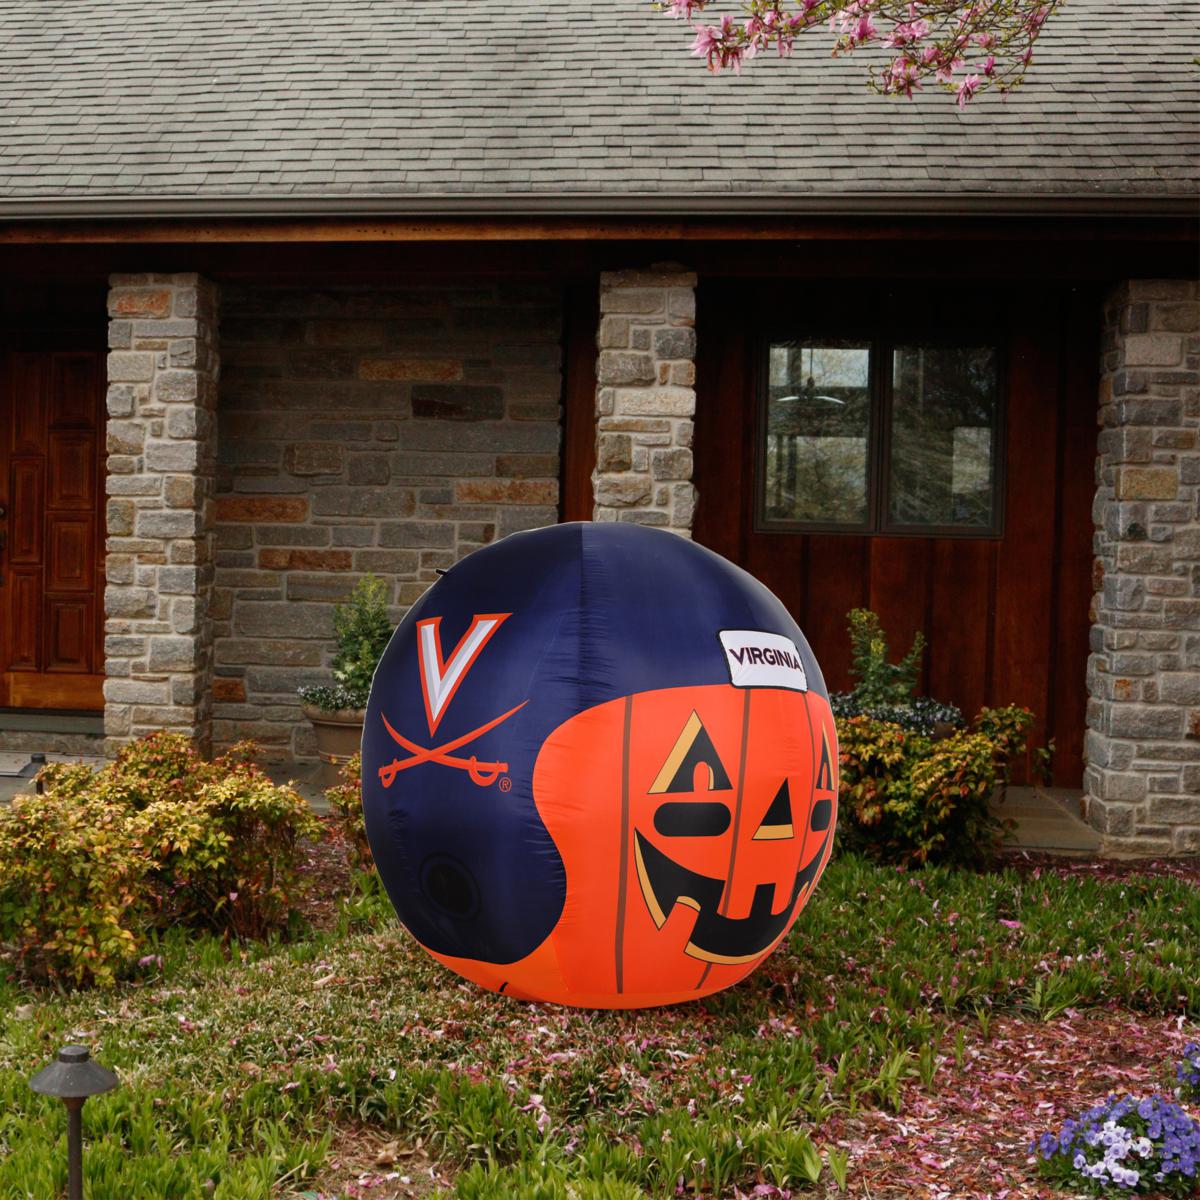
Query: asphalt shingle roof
(282, 100)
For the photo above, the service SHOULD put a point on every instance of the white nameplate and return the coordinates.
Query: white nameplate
(762, 660)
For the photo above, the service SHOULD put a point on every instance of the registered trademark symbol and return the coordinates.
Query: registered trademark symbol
(506, 784)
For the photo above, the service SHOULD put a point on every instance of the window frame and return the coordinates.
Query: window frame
(882, 347)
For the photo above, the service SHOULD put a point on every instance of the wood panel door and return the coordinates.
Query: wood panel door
(52, 438)
(1005, 617)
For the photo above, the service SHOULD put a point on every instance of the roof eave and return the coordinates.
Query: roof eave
(601, 205)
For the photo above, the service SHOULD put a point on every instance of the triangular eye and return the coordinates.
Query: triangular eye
(777, 824)
(692, 747)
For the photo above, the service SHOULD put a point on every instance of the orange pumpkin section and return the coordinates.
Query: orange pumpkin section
(693, 824)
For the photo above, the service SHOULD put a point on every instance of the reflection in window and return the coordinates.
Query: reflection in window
(879, 437)
(943, 415)
(818, 419)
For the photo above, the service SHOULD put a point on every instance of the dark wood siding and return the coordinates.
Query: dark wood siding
(1006, 618)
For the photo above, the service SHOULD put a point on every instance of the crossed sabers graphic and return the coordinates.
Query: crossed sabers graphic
(483, 774)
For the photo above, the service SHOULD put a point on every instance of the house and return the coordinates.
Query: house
(295, 292)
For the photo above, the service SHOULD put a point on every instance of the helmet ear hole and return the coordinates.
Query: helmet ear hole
(450, 886)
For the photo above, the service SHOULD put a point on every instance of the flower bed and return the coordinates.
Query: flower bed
(1125, 1145)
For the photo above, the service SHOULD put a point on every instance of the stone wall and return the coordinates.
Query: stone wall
(646, 398)
(1143, 743)
(162, 393)
(366, 430)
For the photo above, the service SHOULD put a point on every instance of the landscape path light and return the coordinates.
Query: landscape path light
(73, 1077)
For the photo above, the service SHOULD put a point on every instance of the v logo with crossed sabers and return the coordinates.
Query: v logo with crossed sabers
(440, 679)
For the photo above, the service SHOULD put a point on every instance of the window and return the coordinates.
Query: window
(873, 436)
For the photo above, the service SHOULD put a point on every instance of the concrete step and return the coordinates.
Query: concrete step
(1046, 819)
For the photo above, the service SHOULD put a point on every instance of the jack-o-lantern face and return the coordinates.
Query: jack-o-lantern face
(715, 805)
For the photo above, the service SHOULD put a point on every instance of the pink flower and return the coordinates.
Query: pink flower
(864, 30)
(1036, 19)
(718, 43)
(1009, 924)
(945, 71)
(907, 32)
(706, 41)
(903, 78)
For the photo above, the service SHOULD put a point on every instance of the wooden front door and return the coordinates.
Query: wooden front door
(52, 529)
(1004, 613)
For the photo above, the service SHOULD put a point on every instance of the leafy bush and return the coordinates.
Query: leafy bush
(1125, 1146)
(912, 799)
(158, 837)
(879, 682)
(73, 885)
(362, 628)
(345, 799)
(921, 715)
(883, 689)
(331, 697)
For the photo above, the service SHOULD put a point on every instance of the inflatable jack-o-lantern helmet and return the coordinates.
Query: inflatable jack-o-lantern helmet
(599, 768)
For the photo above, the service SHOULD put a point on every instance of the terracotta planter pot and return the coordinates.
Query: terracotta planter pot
(339, 737)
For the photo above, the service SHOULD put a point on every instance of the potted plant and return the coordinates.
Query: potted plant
(883, 690)
(362, 628)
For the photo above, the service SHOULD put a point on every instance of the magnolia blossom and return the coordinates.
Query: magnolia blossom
(965, 47)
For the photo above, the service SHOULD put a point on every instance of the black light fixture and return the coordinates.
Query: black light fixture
(72, 1078)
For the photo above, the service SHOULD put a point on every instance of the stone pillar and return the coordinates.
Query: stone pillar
(162, 397)
(646, 398)
(1143, 742)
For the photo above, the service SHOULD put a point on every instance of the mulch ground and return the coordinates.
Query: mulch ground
(969, 1135)
(366, 1164)
(326, 870)
(1103, 868)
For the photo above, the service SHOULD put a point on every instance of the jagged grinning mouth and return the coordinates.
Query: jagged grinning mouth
(716, 938)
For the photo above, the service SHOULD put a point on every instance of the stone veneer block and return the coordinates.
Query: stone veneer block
(162, 399)
(389, 430)
(645, 398)
(1142, 780)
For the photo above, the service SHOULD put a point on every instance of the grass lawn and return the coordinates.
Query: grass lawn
(912, 1035)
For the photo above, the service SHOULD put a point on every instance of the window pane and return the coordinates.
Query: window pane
(818, 415)
(944, 403)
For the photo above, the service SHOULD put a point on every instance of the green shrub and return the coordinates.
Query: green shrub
(922, 714)
(908, 798)
(879, 682)
(345, 799)
(883, 689)
(158, 837)
(237, 871)
(362, 628)
(74, 893)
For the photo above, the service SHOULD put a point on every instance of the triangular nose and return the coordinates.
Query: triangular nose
(777, 824)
